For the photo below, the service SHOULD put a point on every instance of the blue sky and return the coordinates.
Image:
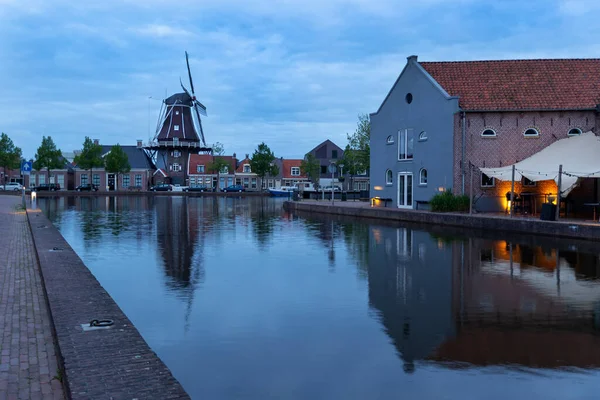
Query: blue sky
(291, 73)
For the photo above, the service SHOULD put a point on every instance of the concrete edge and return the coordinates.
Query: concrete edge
(141, 376)
(515, 225)
(59, 358)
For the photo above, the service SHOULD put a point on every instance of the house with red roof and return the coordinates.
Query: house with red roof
(291, 173)
(244, 175)
(442, 121)
(201, 173)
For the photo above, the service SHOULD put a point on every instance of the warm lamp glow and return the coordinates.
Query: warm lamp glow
(441, 189)
(378, 187)
(33, 195)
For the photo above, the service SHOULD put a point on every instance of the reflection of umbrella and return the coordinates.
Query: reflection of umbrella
(541, 349)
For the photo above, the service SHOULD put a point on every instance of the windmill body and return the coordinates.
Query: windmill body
(178, 134)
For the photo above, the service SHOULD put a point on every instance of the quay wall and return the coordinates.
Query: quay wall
(110, 363)
(564, 229)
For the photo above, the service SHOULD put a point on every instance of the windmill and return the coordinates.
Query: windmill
(179, 133)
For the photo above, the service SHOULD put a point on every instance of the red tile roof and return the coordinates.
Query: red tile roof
(287, 169)
(206, 160)
(560, 84)
(240, 168)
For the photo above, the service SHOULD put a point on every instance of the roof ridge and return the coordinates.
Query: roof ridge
(508, 60)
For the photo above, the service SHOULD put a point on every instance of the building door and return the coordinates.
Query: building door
(405, 190)
(111, 181)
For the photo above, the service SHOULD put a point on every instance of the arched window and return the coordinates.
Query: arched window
(389, 178)
(390, 139)
(423, 176)
(531, 132)
(488, 132)
(422, 136)
(409, 98)
(574, 132)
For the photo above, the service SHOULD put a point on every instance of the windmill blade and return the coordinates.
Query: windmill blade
(185, 90)
(187, 61)
(202, 108)
(200, 125)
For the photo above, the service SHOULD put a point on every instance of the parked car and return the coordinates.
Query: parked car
(87, 187)
(47, 187)
(13, 186)
(162, 187)
(234, 188)
(197, 188)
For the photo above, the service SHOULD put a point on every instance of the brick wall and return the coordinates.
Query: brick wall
(510, 145)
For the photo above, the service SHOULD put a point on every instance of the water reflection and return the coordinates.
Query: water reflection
(242, 299)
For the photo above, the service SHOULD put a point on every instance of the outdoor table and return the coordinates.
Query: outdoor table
(593, 205)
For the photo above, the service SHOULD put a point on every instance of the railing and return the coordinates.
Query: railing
(176, 144)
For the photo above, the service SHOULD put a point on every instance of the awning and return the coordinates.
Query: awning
(579, 156)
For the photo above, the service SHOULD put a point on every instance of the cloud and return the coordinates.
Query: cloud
(161, 31)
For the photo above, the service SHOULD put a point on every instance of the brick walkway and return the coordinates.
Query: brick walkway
(28, 365)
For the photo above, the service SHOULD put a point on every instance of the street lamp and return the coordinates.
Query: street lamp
(332, 168)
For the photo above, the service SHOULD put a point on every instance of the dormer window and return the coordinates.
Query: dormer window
(200, 169)
(247, 168)
(225, 170)
(175, 127)
(295, 171)
(488, 132)
(531, 132)
(574, 132)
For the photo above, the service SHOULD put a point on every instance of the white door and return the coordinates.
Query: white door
(405, 190)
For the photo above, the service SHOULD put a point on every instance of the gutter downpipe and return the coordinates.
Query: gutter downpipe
(462, 164)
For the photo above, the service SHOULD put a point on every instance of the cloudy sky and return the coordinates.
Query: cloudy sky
(288, 72)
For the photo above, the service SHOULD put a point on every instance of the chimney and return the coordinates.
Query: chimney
(247, 155)
(412, 58)
(139, 144)
(234, 156)
(96, 141)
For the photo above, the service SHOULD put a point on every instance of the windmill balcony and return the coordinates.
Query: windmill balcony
(177, 145)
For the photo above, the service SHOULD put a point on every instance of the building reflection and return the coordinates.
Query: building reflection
(484, 302)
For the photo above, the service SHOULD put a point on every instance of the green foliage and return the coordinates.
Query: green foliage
(311, 167)
(90, 156)
(448, 202)
(48, 156)
(359, 143)
(218, 149)
(10, 155)
(218, 164)
(116, 161)
(261, 162)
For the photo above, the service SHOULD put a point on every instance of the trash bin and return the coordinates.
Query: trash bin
(296, 195)
(344, 196)
(548, 212)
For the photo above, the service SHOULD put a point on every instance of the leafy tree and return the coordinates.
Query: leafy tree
(117, 162)
(311, 167)
(10, 155)
(351, 163)
(261, 162)
(48, 156)
(359, 142)
(218, 163)
(90, 156)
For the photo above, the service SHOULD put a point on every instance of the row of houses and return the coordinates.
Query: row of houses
(442, 122)
(196, 170)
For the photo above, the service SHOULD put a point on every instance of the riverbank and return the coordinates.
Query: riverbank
(113, 362)
(572, 229)
(67, 193)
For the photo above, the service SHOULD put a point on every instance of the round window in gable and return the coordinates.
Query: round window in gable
(575, 132)
(488, 132)
(531, 132)
(409, 98)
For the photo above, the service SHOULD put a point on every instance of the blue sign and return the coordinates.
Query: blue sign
(26, 167)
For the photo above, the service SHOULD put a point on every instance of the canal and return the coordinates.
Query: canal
(243, 300)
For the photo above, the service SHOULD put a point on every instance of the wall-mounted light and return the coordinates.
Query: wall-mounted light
(441, 189)
(33, 195)
(378, 187)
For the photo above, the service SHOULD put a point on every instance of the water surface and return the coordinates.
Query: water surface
(242, 300)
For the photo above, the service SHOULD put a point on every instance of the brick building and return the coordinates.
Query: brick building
(442, 119)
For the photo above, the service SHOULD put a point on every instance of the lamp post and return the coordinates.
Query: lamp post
(332, 168)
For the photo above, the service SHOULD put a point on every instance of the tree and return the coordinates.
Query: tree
(10, 155)
(359, 141)
(351, 163)
(48, 156)
(117, 162)
(261, 162)
(90, 156)
(311, 167)
(218, 163)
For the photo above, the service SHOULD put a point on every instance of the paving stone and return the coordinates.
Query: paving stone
(22, 301)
